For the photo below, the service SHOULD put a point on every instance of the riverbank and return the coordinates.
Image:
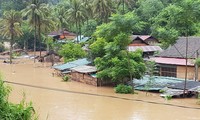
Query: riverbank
(57, 100)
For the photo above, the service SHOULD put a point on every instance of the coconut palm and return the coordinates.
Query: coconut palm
(35, 12)
(10, 27)
(59, 16)
(76, 14)
(125, 3)
(87, 4)
(102, 9)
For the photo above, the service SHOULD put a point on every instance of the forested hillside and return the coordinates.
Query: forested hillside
(165, 19)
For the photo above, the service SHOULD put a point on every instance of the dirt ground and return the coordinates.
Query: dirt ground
(54, 99)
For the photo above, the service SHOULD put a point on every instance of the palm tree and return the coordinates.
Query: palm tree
(10, 27)
(59, 16)
(76, 14)
(102, 9)
(35, 13)
(88, 8)
(125, 3)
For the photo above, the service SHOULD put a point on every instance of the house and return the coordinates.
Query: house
(81, 39)
(172, 61)
(143, 40)
(62, 34)
(147, 43)
(65, 68)
(85, 74)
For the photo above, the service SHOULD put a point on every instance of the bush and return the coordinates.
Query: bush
(65, 78)
(124, 89)
(2, 48)
(10, 111)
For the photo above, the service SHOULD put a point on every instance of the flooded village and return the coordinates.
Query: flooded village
(99, 60)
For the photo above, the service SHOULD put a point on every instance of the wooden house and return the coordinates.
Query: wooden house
(147, 43)
(172, 61)
(62, 34)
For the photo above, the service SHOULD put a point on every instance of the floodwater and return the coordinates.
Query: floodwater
(57, 100)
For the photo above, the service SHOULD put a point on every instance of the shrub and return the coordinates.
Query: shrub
(10, 111)
(168, 97)
(2, 48)
(65, 78)
(124, 89)
(198, 97)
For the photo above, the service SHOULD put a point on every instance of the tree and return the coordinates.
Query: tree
(10, 27)
(113, 61)
(71, 51)
(76, 14)
(102, 9)
(147, 10)
(36, 12)
(178, 19)
(125, 4)
(89, 28)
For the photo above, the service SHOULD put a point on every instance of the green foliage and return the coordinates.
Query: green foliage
(124, 89)
(10, 111)
(89, 28)
(113, 61)
(197, 62)
(168, 97)
(71, 51)
(178, 19)
(198, 97)
(2, 48)
(65, 78)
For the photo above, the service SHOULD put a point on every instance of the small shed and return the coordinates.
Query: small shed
(65, 68)
(84, 74)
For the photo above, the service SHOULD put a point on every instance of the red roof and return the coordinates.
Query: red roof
(172, 61)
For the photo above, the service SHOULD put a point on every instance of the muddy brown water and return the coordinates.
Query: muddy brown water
(57, 100)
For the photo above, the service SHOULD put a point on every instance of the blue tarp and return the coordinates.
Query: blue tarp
(72, 64)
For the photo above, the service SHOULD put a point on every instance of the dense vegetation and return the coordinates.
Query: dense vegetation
(10, 111)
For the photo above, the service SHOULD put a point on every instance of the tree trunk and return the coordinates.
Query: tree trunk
(35, 34)
(11, 47)
(39, 37)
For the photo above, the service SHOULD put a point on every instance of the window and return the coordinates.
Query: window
(169, 71)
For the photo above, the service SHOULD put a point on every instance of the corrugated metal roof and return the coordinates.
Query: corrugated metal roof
(178, 50)
(157, 82)
(84, 69)
(72, 64)
(172, 61)
(144, 48)
(83, 38)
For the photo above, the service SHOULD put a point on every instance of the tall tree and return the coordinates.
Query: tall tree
(102, 9)
(112, 59)
(126, 4)
(76, 14)
(36, 12)
(10, 27)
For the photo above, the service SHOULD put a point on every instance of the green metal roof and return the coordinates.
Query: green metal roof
(72, 64)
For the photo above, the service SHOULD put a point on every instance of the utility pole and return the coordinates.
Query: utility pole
(196, 67)
(186, 66)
